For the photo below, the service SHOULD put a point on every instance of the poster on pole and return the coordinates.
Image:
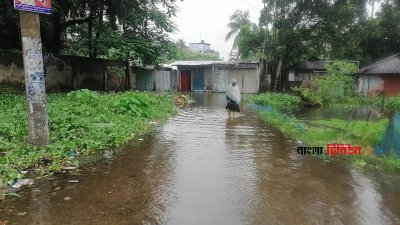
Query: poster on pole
(37, 6)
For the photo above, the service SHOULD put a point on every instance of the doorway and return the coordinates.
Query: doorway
(186, 80)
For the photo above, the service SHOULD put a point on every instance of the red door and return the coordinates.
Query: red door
(186, 81)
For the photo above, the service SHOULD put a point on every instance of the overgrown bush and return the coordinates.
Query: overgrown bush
(80, 122)
(393, 103)
(275, 100)
(309, 96)
(338, 83)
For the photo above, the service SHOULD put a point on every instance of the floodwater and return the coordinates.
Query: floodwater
(367, 113)
(201, 168)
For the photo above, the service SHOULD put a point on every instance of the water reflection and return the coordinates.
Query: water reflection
(367, 113)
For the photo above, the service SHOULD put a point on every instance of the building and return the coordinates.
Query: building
(160, 78)
(382, 77)
(215, 75)
(311, 68)
(166, 78)
(144, 78)
(202, 48)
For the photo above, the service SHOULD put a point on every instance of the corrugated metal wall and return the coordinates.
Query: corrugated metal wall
(247, 79)
(163, 80)
(370, 85)
(174, 80)
(218, 78)
(221, 80)
(208, 78)
(144, 79)
(392, 85)
(198, 79)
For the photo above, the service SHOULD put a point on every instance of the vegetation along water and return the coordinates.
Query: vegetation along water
(275, 110)
(81, 122)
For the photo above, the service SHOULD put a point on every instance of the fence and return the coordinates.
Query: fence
(66, 73)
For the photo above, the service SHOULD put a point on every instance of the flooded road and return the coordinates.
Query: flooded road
(201, 168)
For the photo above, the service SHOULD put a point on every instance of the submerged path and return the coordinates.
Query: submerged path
(201, 168)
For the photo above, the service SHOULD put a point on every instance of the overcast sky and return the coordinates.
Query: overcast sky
(207, 19)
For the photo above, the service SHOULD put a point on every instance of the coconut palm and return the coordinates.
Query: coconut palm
(237, 20)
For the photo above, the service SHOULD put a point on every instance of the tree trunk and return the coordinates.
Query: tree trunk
(90, 34)
(57, 42)
(128, 75)
(263, 75)
(278, 73)
(99, 27)
(273, 78)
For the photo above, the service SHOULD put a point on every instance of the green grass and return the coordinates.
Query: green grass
(80, 122)
(359, 132)
(322, 132)
(275, 100)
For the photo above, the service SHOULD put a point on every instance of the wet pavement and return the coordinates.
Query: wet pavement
(202, 168)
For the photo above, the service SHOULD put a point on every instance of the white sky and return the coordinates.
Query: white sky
(208, 19)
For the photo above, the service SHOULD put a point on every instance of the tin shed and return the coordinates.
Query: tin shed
(166, 79)
(216, 75)
(382, 77)
(144, 78)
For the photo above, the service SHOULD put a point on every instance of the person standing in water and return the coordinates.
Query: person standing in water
(233, 98)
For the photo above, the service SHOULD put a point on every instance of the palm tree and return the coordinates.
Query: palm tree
(237, 20)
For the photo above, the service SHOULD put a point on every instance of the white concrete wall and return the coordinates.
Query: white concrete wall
(199, 47)
(247, 79)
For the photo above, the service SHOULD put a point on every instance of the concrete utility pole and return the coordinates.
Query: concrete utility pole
(34, 79)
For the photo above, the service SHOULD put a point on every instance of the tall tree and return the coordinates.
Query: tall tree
(381, 34)
(9, 33)
(238, 20)
(109, 29)
(253, 44)
(301, 29)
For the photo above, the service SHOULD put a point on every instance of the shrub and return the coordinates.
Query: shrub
(80, 122)
(275, 100)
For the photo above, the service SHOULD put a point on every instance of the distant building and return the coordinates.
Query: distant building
(382, 77)
(215, 76)
(202, 48)
(312, 68)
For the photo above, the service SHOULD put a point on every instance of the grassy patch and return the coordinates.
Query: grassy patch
(81, 123)
(275, 100)
(359, 132)
(322, 132)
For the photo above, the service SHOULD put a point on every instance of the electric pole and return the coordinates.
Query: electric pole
(38, 122)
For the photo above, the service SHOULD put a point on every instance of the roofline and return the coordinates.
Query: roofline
(377, 63)
(181, 63)
(212, 63)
